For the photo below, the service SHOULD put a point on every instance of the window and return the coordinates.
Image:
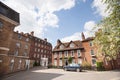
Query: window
(27, 39)
(1, 25)
(41, 50)
(79, 61)
(25, 53)
(78, 52)
(26, 46)
(60, 54)
(34, 55)
(45, 51)
(44, 56)
(38, 50)
(55, 62)
(72, 53)
(93, 61)
(11, 64)
(19, 65)
(16, 53)
(66, 53)
(61, 46)
(72, 45)
(60, 62)
(38, 45)
(90, 43)
(35, 44)
(92, 52)
(18, 45)
(19, 36)
(38, 55)
(35, 49)
(55, 55)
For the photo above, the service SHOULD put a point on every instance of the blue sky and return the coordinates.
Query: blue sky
(58, 19)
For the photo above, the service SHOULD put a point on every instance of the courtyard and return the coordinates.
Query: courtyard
(59, 74)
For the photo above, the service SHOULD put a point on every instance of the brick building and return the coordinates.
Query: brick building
(9, 19)
(40, 50)
(18, 51)
(80, 51)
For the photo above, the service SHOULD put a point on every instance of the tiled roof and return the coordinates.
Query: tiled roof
(78, 45)
(88, 39)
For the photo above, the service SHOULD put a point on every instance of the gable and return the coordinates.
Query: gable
(61, 46)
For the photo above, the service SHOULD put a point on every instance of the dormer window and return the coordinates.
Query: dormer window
(19, 36)
(72, 45)
(61, 46)
(90, 43)
(18, 45)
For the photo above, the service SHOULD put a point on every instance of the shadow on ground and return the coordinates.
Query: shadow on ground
(31, 75)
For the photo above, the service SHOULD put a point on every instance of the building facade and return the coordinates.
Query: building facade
(9, 19)
(40, 51)
(79, 51)
(19, 52)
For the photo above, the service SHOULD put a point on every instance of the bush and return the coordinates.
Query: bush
(86, 66)
(36, 64)
(100, 66)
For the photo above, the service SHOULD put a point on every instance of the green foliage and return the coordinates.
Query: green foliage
(100, 66)
(70, 60)
(36, 64)
(86, 66)
(108, 38)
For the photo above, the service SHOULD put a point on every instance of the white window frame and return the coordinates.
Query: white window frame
(61, 46)
(79, 61)
(60, 54)
(66, 53)
(91, 43)
(1, 25)
(26, 46)
(19, 65)
(72, 45)
(92, 61)
(60, 62)
(78, 53)
(18, 45)
(72, 53)
(92, 52)
(16, 52)
(55, 55)
(55, 62)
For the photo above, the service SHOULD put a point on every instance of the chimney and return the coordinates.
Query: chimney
(45, 39)
(26, 34)
(83, 36)
(32, 33)
(17, 32)
(22, 33)
(58, 42)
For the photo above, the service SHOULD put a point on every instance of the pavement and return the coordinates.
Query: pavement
(59, 74)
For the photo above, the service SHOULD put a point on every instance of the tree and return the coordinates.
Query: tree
(70, 60)
(108, 37)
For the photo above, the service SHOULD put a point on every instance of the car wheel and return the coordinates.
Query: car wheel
(78, 70)
(65, 69)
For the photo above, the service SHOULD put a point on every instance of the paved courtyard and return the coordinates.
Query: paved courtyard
(59, 74)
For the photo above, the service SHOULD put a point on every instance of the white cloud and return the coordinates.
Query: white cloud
(75, 36)
(100, 8)
(32, 20)
(89, 25)
(88, 32)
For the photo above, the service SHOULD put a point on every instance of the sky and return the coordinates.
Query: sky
(58, 19)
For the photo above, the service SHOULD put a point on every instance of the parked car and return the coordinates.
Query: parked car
(73, 67)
